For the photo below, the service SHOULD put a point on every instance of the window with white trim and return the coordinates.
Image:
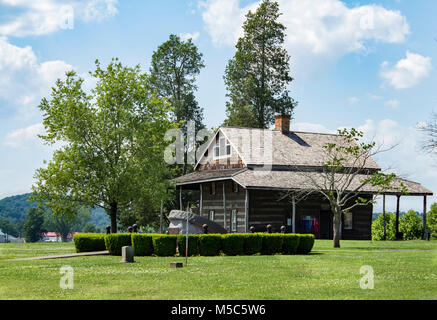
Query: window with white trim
(234, 220)
(222, 149)
(211, 215)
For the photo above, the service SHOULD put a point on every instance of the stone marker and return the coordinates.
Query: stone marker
(176, 265)
(127, 254)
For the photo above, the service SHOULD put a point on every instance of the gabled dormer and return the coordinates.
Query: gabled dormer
(220, 153)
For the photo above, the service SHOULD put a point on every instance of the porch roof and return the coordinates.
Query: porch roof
(292, 180)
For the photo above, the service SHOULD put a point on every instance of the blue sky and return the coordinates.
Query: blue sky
(363, 64)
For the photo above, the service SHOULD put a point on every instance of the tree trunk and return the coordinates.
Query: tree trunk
(113, 215)
(336, 228)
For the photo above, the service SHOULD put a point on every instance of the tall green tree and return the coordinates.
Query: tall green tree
(112, 144)
(174, 68)
(33, 228)
(258, 75)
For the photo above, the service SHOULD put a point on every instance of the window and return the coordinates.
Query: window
(234, 220)
(235, 187)
(222, 149)
(212, 188)
(348, 221)
(211, 215)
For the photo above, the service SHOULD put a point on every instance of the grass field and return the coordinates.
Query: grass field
(320, 275)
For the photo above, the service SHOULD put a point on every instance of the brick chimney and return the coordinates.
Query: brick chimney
(282, 122)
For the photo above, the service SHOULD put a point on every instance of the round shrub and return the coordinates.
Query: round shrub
(210, 244)
(233, 244)
(164, 245)
(115, 241)
(290, 243)
(306, 243)
(88, 242)
(142, 244)
(271, 243)
(252, 243)
(193, 244)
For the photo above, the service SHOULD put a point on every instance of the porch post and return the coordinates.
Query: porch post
(180, 198)
(397, 215)
(385, 222)
(201, 201)
(246, 211)
(224, 204)
(293, 215)
(424, 216)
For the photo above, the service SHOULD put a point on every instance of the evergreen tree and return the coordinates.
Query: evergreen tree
(175, 65)
(258, 75)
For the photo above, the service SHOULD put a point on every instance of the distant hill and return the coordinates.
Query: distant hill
(15, 208)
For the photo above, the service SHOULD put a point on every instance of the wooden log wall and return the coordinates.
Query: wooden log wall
(234, 200)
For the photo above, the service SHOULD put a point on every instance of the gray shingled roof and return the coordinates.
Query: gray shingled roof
(282, 179)
(300, 181)
(262, 146)
(205, 175)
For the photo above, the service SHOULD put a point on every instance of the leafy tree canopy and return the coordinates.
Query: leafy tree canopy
(112, 143)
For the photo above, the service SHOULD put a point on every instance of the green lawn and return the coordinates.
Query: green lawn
(320, 275)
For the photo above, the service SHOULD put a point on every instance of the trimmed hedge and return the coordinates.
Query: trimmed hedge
(199, 244)
(210, 244)
(272, 243)
(142, 244)
(306, 243)
(115, 241)
(253, 243)
(88, 242)
(290, 243)
(233, 244)
(164, 245)
(193, 244)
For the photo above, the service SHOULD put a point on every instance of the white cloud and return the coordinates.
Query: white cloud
(322, 29)
(394, 104)
(18, 138)
(23, 79)
(310, 127)
(193, 36)
(352, 100)
(407, 72)
(47, 16)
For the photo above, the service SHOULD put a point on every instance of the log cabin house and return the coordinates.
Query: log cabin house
(244, 172)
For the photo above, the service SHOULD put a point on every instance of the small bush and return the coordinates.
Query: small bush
(306, 243)
(233, 244)
(115, 241)
(252, 243)
(210, 244)
(142, 244)
(290, 243)
(88, 242)
(193, 244)
(164, 245)
(434, 236)
(271, 243)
